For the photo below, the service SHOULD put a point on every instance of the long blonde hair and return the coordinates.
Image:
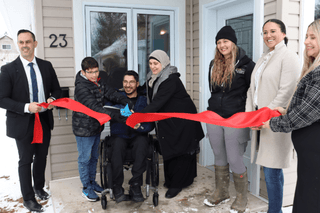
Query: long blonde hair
(310, 63)
(222, 70)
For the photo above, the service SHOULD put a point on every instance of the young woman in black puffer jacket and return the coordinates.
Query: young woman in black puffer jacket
(229, 79)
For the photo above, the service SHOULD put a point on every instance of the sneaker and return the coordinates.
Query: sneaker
(98, 189)
(89, 194)
(135, 193)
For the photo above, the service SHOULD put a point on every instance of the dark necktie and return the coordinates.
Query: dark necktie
(34, 82)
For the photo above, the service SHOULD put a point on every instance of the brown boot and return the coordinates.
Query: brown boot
(222, 186)
(241, 185)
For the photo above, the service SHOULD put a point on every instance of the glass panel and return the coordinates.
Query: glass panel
(153, 33)
(109, 40)
(317, 9)
(244, 31)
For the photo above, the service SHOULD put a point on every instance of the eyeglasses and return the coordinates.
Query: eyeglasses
(91, 73)
(129, 82)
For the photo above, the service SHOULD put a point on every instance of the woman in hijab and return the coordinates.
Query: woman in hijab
(178, 138)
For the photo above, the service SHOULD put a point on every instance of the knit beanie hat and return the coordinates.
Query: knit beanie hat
(227, 32)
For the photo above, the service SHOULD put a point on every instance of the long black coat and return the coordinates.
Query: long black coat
(176, 136)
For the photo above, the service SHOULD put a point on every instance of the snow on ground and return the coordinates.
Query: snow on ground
(10, 196)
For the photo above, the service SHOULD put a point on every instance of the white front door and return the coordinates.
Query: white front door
(240, 15)
(240, 18)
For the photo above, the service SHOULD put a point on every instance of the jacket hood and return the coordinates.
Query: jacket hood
(82, 79)
(242, 58)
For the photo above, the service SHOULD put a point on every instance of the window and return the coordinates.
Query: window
(243, 27)
(6, 47)
(317, 9)
(123, 38)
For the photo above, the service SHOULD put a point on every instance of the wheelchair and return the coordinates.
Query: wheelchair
(152, 170)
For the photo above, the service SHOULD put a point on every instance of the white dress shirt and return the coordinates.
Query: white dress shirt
(258, 73)
(41, 96)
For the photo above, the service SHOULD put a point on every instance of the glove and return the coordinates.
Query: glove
(129, 102)
(117, 117)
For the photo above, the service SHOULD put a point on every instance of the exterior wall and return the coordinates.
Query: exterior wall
(7, 55)
(192, 50)
(66, 17)
(289, 12)
(55, 17)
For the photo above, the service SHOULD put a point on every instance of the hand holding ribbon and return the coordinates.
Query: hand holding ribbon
(69, 104)
(238, 120)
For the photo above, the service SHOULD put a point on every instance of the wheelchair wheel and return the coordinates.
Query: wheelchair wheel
(104, 202)
(155, 170)
(101, 163)
(155, 199)
(103, 167)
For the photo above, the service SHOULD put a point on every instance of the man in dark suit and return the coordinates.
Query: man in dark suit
(24, 83)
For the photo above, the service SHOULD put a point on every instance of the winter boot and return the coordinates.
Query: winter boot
(222, 186)
(241, 185)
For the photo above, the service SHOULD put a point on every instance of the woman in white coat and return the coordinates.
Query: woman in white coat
(273, 82)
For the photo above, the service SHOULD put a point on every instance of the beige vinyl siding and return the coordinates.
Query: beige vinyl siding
(289, 12)
(56, 18)
(192, 50)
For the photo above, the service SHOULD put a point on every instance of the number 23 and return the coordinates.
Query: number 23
(55, 39)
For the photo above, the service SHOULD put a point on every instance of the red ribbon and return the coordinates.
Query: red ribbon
(68, 104)
(238, 120)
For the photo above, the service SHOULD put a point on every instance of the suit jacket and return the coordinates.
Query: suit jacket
(14, 94)
(276, 86)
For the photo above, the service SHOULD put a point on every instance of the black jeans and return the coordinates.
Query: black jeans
(139, 154)
(35, 154)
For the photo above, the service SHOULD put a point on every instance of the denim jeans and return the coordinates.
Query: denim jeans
(88, 149)
(274, 180)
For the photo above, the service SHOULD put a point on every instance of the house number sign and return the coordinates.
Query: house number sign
(55, 38)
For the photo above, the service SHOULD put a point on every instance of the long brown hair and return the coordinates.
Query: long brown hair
(310, 63)
(222, 70)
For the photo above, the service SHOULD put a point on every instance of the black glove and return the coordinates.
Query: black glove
(117, 117)
(129, 102)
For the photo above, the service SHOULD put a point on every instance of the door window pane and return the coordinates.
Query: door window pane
(108, 32)
(243, 26)
(153, 33)
(317, 9)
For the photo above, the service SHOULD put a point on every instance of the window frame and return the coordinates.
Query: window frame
(9, 45)
(132, 42)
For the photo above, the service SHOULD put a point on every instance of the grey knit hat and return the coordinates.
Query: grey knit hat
(160, 56)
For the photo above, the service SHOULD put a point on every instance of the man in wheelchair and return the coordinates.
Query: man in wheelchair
(123, 136)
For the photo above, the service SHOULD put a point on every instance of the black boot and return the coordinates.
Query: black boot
(118, 193)
(135, 193)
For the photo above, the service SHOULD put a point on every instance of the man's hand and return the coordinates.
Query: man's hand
(137, 126)
(49, 101)
(34, 108)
